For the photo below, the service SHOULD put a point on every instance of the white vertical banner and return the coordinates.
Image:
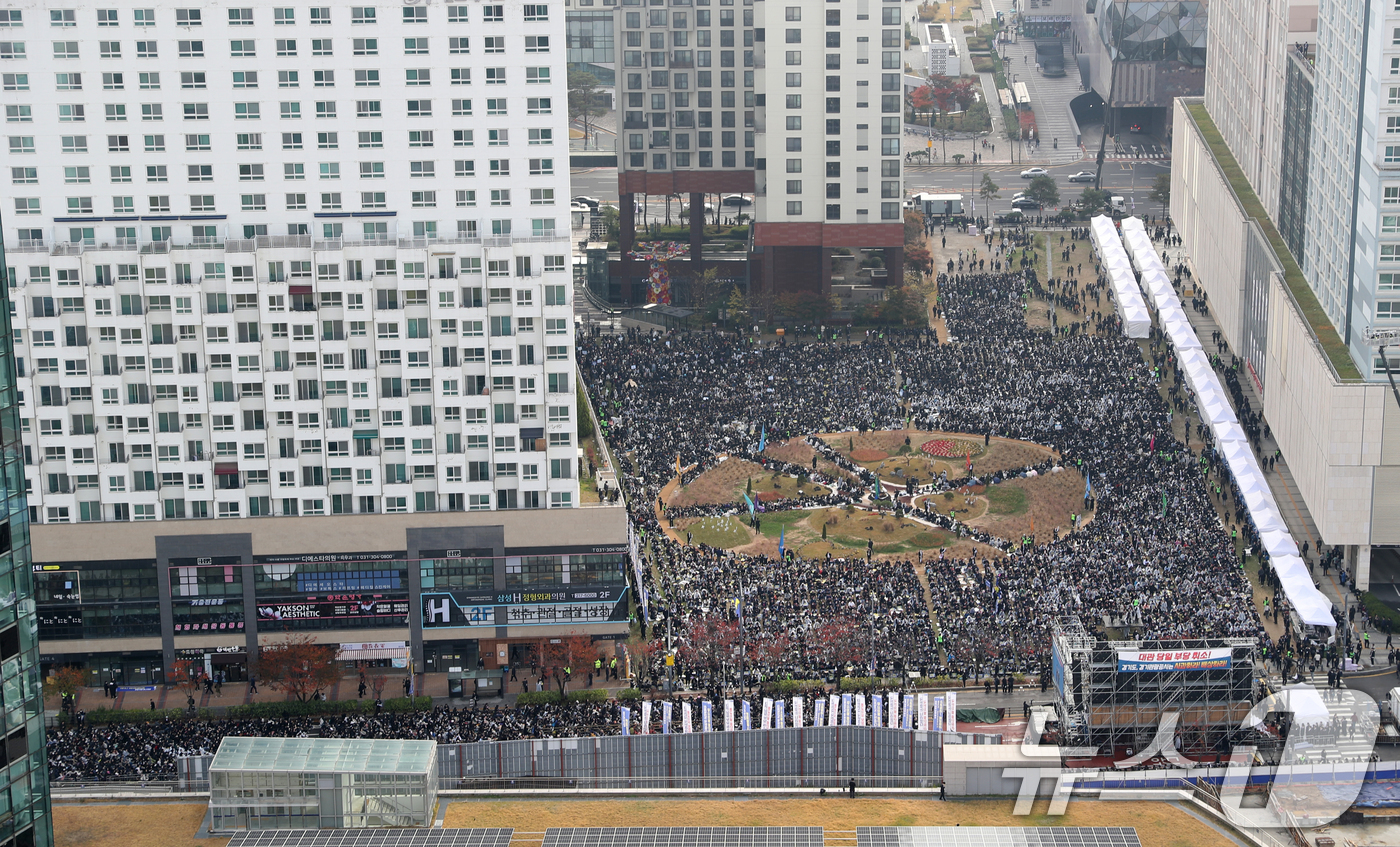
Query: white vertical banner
(952, 704)
(833, 710)
(766, 719)
(728, 715)
(707, 716)
(626, 721)
(846, 705)
(892, 700)
(779, 714)
(908, 718)
(797, 712)
(923, 712)
(938, 722)
(686, 726)
(860, 710)
(877, 710)
(666, 708)
(646, 717)
(746, 715)
(818, 711)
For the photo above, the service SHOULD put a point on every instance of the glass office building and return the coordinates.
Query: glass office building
(322, 783)
(24, 806)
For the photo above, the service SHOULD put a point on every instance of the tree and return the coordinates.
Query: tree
(958, 157)
(66, 681)
(918, 256)
(185, 674)
(1092, 200)
(705, 288)
(709, 642)
(298, 666)
(738, 310)
(1162, 191)
(377, 680)
(584, 99)
(921, 100)
(913, 227)
(988, 190)
(1044, 191)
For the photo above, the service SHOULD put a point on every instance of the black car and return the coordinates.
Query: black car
(1025, 203)
(1012, 217)
(590, 202)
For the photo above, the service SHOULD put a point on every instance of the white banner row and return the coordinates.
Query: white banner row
(891, 711)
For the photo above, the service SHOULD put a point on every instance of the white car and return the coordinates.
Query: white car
(1082, 176)
(1031, 173)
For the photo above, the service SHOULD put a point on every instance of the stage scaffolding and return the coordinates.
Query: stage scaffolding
(1103, 707)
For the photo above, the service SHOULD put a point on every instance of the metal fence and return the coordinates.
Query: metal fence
(775, 758)
(811, 757)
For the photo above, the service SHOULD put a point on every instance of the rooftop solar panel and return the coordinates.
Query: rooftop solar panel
(996, 836)
(688, 836)
(373, 838)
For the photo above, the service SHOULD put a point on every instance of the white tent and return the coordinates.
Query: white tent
(1278, 543)
(1215, 410)
(1227, 432)
(1267, 519)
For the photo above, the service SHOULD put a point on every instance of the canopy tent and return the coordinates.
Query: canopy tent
(1137, 321)
(1227, 432)
(1215, 410)
(1278, 543)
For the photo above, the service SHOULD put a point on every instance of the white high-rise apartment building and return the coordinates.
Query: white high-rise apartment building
(271, 259)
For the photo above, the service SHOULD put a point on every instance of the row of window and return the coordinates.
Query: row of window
(453, 443)
(218, 303)
(339, 504)
(199, 80)
(247, 48)
(252, 111)
(372, 232)
(203, 142)
(282, 16)
(309, 476)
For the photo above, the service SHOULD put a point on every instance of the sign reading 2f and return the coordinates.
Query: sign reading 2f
(443, 610)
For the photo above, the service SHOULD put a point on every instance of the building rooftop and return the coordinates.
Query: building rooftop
(325, 755)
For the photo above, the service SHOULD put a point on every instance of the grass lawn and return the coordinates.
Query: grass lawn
(983, 64)
(775, 523)
(726, 532)
(729, 480)
(1005, 500)
(1158, 824)
(894, 461)
(102, 825)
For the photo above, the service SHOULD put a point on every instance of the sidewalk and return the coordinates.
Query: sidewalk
(1282, 485)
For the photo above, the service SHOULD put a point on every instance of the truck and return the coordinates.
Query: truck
(1118, 205)
(936, 205)
(1389, 732)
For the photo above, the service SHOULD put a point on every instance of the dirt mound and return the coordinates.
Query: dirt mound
(868, 454)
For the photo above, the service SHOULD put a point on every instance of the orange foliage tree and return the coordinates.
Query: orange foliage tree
(298, 665)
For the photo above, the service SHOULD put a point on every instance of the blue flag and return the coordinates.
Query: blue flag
(763, 438)
(782, 533)
(1088, 485)
(751, 506)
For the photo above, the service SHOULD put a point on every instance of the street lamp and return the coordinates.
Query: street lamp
(1379, 339)
(1112, 87)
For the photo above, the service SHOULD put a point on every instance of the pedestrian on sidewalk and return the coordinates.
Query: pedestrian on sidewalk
(252, 684)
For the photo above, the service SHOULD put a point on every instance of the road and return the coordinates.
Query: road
(1130, 179)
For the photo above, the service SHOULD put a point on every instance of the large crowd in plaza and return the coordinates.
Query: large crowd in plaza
(1151, 552)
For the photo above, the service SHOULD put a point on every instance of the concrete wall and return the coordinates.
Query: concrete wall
(1211, 224)
(602, 525)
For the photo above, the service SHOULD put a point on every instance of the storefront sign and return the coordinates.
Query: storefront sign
(313, 558)
(523, 608)
(318, 609)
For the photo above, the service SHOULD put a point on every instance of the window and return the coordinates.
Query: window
(65, 49)
(371, 170)
(321, 47)
(495, 76)
(290, 110)
(537, 75)
(365, 46)
(415, 46)
(118, 143)
(325, 108)
(15, 82)
(368, 109)
(149, 81)
(249, 140)
(420, 108)
(71, 113)
(250, 173)
(247, 111)
(541, 167)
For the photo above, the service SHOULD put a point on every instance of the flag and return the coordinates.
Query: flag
(923, 712)
(646, 717)
(833, 710)
(860, 710)
(707, 710)
(678, 464)
(666, 718)
(779, 714)
(747, 718)
(766, 720)
(626, 721)
(1152, 444)
(1164, 504)
(782, 534)
(951, 701)
(847, 704)
(818, 711)
(877, 710)
(1088, 486)
(686, 725)
(908, 712)
(797, 712)
(763, 438)
(728, 715)
(751, 506)
(969, 460)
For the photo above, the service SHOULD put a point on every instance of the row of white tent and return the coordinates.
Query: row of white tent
(1137, 323)
(1231, 443)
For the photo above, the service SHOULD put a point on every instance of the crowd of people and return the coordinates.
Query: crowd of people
(1148, 549)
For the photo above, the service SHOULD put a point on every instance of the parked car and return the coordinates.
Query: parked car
(1013, 216)
(1032, 173)
(1025, 203)
(735, 200)
(590, 202)
(1082, 176)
